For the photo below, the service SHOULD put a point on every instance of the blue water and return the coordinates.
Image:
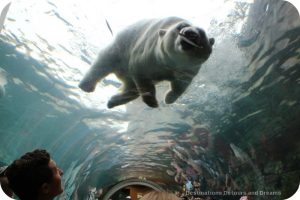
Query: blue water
(237, 125)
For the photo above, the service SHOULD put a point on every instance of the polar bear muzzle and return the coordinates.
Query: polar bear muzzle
(194, 37)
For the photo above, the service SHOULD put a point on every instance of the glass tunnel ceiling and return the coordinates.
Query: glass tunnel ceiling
(236, 125)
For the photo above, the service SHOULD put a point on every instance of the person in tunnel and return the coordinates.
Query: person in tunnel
(155, 195)
(35, 176)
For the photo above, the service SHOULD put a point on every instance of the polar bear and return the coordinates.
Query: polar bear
(149, 51)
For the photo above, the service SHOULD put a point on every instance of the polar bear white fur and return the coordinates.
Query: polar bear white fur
(147, 52)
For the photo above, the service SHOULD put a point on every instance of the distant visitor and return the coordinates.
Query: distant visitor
(149, 51)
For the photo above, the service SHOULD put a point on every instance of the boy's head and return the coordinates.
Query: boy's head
(35, 176)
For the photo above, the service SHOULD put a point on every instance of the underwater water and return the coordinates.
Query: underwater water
(236, 128)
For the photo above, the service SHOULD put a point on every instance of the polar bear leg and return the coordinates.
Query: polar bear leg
(103, 66)
(128, 94)
(146, 89)
(177, 88)
(90, 80)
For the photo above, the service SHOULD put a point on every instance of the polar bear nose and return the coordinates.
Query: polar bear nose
(191, 37)
(189, 33)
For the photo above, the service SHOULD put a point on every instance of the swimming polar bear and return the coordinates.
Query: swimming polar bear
(149, 51)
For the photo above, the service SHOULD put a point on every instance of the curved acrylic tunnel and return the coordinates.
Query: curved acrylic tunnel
(234, 129)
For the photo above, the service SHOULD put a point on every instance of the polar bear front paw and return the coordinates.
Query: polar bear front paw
(171, 97)
(150, 101)
(87, 86)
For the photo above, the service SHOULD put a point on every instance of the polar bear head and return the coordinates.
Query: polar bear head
(186, 44)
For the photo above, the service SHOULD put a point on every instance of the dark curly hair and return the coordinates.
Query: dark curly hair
(27, 174)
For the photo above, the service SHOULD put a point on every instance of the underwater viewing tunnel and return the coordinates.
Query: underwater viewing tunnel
(231, 132)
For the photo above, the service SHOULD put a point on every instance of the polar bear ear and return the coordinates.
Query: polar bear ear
(211, 41)
(162, 32)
